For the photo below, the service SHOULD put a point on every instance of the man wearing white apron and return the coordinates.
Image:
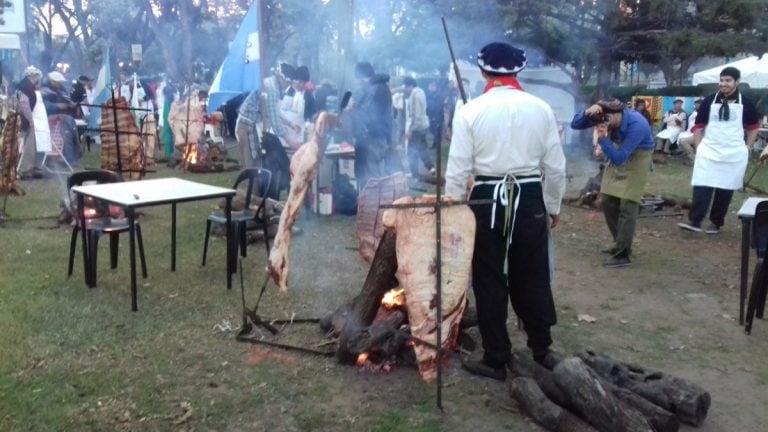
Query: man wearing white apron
(721, 153)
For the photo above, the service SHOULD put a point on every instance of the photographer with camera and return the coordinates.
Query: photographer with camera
(624, 137)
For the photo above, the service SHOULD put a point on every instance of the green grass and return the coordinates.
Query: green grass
(77, 359)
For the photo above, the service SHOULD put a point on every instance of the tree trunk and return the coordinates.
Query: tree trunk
(605, 412)
(544, 411)
(686, 400)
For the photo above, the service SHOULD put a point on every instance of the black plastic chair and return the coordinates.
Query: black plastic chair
(97, 222)
(759, 289)
(257, 181)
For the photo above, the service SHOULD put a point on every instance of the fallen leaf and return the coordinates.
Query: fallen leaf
(624, 321)
(586, 318)
(728, 317)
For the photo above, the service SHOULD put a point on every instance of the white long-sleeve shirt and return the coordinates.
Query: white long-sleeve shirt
(416, 108)
(506, 131)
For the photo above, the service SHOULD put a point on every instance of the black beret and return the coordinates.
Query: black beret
(301, 74)
(501, 58)
(84, 78)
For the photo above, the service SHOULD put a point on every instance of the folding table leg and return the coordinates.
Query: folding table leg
(746, 226)
(131, 214)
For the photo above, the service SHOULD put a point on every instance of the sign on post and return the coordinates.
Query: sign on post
(136, 52)
(13, 18)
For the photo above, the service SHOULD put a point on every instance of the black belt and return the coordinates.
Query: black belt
(483, 178)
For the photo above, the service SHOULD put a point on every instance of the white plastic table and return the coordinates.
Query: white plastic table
(146, 193)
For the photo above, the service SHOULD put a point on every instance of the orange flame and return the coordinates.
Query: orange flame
(191, 157)
(362, 358)
(393, 298)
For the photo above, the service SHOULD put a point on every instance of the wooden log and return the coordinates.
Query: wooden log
(363, 307)
(660, 419)
(522, 365)
(543, 411)
(689, 402)
(594, 402)
(381, 336)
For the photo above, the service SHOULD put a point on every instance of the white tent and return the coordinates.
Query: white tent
(754, 71)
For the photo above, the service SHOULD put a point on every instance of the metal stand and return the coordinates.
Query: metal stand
(114, 108)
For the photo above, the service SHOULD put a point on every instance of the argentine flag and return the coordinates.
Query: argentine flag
(240, 72)
(101, 91)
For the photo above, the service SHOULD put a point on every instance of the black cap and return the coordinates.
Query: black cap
(409, 82)
(84, 78)
(301, 74)
(501, 58)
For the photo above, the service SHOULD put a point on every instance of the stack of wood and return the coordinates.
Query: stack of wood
(9, 152)
(132, 154)
(591, 392)
(378, 192)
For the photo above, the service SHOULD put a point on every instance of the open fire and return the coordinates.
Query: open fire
(392, 300)
(192, 157)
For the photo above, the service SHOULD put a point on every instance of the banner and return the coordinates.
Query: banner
(240, 72)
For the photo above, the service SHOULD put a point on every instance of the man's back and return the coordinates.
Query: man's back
(524, 121)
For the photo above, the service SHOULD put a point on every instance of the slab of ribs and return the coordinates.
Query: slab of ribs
(303, 169)
(417, 270)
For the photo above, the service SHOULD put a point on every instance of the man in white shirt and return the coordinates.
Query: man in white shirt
(508, 140)
(416, 127)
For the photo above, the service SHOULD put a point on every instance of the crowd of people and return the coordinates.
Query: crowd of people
(45, 101)
(505, 149)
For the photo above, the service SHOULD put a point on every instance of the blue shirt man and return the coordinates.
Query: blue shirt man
(624, 137)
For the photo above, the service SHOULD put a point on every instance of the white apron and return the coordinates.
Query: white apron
(42, 129)
(292, 115)
(721, 157)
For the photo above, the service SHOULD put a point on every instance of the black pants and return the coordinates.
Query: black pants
(418, 151)
(527, 285)
(369, 160)
(621, 217)
(702, 197)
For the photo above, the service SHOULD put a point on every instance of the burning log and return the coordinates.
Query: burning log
(660, 419)
(604, 411)
(686, 400)
(544, 411)
(353, 320)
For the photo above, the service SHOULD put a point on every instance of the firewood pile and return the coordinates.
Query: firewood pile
(132, 161)
(592, 392)
(9, 152)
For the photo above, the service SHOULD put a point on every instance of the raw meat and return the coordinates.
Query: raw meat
(186, 122)
(303, 169)
(132, 164)
(378, 191)
(417, 269)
